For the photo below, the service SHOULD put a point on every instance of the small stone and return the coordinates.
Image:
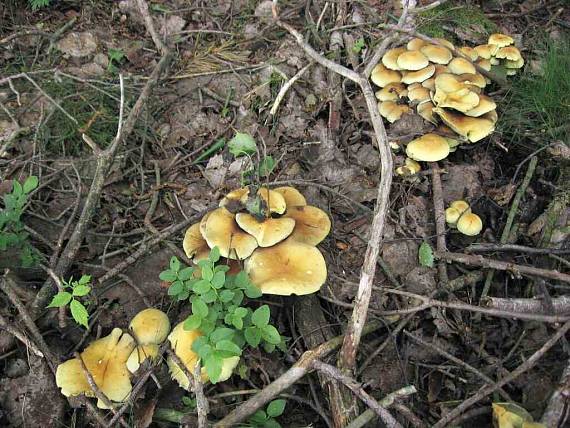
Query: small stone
(78, 45)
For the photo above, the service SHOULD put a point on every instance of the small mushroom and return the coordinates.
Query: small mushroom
(412, 60)
(418, 94)
(486, 104)
(391, 56)
(473, 79)
(437, 54)
(461, 66)
(410, 167)
(274, 201)
(469, 224)
(194, 244)
(485, 64)
(293, 198)
(392, 92)
(222, 231)
(232, 201)
(392, 111)
(105, 359)
(486, 51)
(428, 148)
(290, 267)
(500, 40)
(469, 53)
(382, 76)
(150, 328)
(415, 44)
(425, 110)
(445, 43)
(510, 53)
(455, 211)
(312, 224)
(268, 231)
(418, 76)
(471, 128)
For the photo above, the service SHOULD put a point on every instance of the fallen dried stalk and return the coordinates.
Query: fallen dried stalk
(556, 412)
(484, 392)
(439, 211)
(6, 325)
(483, 248)
(515, 269)
(560, 305)
(286, 87)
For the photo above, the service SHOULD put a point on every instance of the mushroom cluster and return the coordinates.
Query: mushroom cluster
(273, 231)
(499, 50)
(458, 215)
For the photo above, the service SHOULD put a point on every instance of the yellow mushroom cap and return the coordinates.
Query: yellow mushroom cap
(446, 43)
(272, 199)
(140, 354)
(469, 224)
(415, 44)
(486, 51)
(418, 94)
(410, 167)
(418, 76)
(150, 326)
(290, 267)
(392, 111)
(292, 197)
(492, 116)
(451, 216)
(391, 92)
(381, 76)
(514, 64)
(428, 148)
(222, 231)
(312, 224)
(469, 53)
(429, 83)
(391, 56)
(203, 223)
(500, 40)
(461, 100)
(437, 54)
(267, 232)
(472, 128)
(235, 196)
(194, 244)
(486, 104)
(440, 69)
(485, 64)
(447, 83)
(412, 60)
(473, 79)
(461, 66)
(510, 53)
(106, 360)
(461, 206)
(425, 110)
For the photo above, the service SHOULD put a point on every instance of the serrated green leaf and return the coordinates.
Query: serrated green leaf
(276, 408)
(81, 290)
(426, 255)
(218, 280)
(17, 189)
(200, 308)
(260, 316)
(237, 322)
(241, 279)
(84, 280)
(60, 299)
(192, 322)
(252, 336)
(79, 313)
(271, 335)
(210, 296)
(207, 326)
(174, 264)
(271, 423)
(266, 166)
(238, 297)
(205, 350)
(258, 417)
(167, 275)
(214, 255)
(268, 347)
(30, 184)
(242, 144)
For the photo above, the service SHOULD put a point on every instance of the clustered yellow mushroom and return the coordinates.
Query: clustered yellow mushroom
(111, 359)
(273, 231)
(459, 215)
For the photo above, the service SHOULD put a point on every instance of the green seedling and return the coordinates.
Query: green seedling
(218, 145)
(38, 4)
(115, 57)
(358, 45)
(217, 301)
(266, 418)
(76, 290)
(12, 231)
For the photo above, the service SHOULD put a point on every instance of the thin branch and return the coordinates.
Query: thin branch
(439, 211)
(556, 412)
(357, 389)
(483, 248)
(6, 325)
(201, 401)
(143, 9)
(560, 305)
(286, 87)
(484, 392)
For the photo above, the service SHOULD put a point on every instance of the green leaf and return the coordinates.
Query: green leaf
(207, 273)
(205, 350)
(276, 408)
(271, 335)
(221, 333)
(213, 365)
(60, 299)
(17, 189)
(238, 297)
(242, 144)
(260, 316)
(214, 254)
(186, 273)
(252, 292)
(174, 264)
(426, 255)
(192, 322)
(207, 326)
(252, 336)
(81, 290)
(210, 151)
(258, 417)
(200, 308)
(200, 342)
(79, 313)
(176, 288)
(210, 296)
(226, 296)
(266, 166)
(218, 280)
(84, 280)
(240, 312)
(268, 347)
(271, 423)
(228, 346)
(201, 286)
(237, 322)
(167, 275)
(30, 184)
(241, 279)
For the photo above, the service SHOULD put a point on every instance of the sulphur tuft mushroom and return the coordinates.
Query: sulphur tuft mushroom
(150, 327)
(500, 40)
(437, 54)
(392, 111)
(312, 224)
(472, 129)
(428, 148)
(105, 359)
(391, 56)
(410, 167)
(292, 197)
(382, 76)
(412, 61)
(290, 267)
(194, 244)
(469, 224)
(268, 231)
(392, 92)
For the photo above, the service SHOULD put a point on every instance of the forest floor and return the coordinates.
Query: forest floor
(486, 322)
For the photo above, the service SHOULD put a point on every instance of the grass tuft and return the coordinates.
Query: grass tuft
(537, 107)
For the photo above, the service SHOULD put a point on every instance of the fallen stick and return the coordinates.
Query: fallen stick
(515, 269)
(560, 305)
(439, 212)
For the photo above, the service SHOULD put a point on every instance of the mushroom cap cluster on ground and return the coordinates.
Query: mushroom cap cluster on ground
(273, 231)
(443, 84)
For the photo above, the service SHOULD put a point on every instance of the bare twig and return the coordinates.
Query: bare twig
(202, 406)
(439, 211)
(286, 87)
(483, 248)
(6, 325)
(516, 269)
(484, 392)
(143, 9)
(560, 305)
(556, 413)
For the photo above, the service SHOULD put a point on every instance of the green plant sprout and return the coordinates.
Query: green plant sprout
(266, 418)
(243, 144)
(12, 232)
(115, 57)
(77, 289)
(38, 4)
(358, 45)
(217, 312)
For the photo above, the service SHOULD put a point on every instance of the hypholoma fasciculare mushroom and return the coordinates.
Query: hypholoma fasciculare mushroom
(459, 215)
(149, 327)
